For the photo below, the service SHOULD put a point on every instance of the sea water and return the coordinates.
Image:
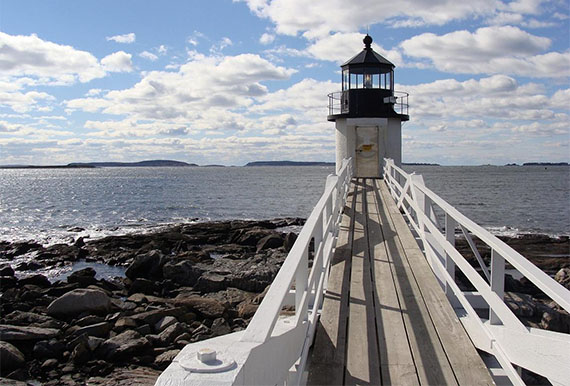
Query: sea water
(46, 205)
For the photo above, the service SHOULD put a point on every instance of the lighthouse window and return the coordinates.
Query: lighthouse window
(345, 84)
(367, 80)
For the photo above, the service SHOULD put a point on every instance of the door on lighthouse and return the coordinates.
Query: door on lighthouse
(367, 164)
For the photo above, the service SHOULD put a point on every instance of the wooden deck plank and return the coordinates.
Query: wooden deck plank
(397, 364)
(465, 362)
(362, 364)
(328, 356)
(430, 359)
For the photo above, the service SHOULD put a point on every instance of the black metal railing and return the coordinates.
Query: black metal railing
(339, 102)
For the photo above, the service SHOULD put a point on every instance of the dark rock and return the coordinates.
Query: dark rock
(48, 349)
(521, 304)
(84, 277)
(59, 289)
(88, 320)
(76, 229)
(208, 308)
(22, 318)
(29, 266)
(10, 358)
(563, 277)
(7, 282)
(49, 363)
(163, 360)
(220, 327)
(144, 329)
(144, 286)
(271, 241)
(78, 301)
(250, 236)
(100, 330)
(182, 272)
(11, 333)
(37, 280)
(164, 322)
(122, 346)
(124, 324)
(246, 310)
(211, 282)
(289, 241)
(148, 265)
(80, 353)
(170, 333)
(79, 243)
(6, 270)
(152, 317)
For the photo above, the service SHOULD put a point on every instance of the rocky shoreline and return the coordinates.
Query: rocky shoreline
(183, 284)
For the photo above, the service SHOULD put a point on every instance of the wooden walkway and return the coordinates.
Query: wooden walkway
(385, 318)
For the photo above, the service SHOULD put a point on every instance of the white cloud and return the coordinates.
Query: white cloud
(22, 102)
(507, 50)
(118, 61)
(148, 55)
(267, 38)
(339, 47)
(46, 62)
(126, 38)
(320, 17)
(202, 85)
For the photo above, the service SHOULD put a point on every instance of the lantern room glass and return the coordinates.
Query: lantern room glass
(369, 78)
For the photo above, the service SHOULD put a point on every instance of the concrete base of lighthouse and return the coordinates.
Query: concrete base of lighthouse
(368, 141)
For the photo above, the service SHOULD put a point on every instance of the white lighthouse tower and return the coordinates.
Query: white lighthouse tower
(368, 113)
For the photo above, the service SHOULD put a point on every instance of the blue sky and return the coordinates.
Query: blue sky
(229, 82)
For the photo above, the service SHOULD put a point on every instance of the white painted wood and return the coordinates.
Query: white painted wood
(497, 282)
(530, 349)
(450, 225)
(475, 251)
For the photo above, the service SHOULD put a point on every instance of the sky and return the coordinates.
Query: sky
(229, 82)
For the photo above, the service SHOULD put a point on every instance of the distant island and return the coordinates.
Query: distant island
(88, 165)
(288, 163)
(545, 164)
(419, 164)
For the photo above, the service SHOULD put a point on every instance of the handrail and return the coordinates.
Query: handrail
(339, 102)
(495, 335)
(273, 350)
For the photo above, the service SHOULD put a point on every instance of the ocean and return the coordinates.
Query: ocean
(59, 205)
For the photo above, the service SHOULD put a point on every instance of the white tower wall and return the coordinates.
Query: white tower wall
(389, 139)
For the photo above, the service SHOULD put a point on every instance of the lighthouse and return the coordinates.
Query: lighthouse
(368, 113)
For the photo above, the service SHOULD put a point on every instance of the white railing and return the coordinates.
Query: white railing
(500, 333)
(274, 348)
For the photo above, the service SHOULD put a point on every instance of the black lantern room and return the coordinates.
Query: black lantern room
(368, 89)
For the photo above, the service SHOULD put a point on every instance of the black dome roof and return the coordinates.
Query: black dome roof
(368, 57)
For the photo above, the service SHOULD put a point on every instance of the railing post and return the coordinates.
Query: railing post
(301, 279)
(450, 225)
(497, 282)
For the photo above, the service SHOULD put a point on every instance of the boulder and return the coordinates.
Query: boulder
(170, 333)
(11, 333)
(122, 346)
(152, 317)
(148, 265)
(10, 358)
(78, 301)
(23, 318)
(220, 327)
(211, 282)
(164, 322)
(144, 286)
(84, 277)
(46, 349)
(521, 304)
(125, 324)
(208, 308)
(270, 242)
(182, 272)
(100, 330)
(6, 270)
(37, 280)
(163, 360)
(289, 241)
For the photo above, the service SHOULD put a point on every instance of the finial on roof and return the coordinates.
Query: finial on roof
(367, 41)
